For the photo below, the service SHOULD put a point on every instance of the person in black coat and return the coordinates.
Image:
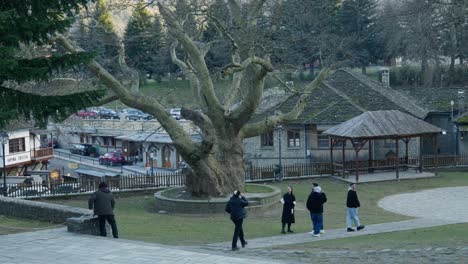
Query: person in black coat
(236, 208)
(315, 203)
(352, 203)
(102, 201)
(289, 202)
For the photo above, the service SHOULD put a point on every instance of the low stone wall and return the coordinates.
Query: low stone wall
(76, 219)
(257, 202)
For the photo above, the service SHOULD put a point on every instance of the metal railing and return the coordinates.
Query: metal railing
(42, 152)
(122, 183)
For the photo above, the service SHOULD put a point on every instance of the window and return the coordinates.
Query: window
(267, 139)
(94, 140)
(113, 142)
(17, 145)
(105, 141)
(323, 141)
(81, 138)
(294, 138)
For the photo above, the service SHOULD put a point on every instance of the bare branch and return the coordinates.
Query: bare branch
(271, 122)
(196, 57)
(181, 139)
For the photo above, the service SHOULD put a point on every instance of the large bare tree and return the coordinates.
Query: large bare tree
(217, 165)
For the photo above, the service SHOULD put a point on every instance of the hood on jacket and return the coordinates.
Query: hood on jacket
(317, 189)
(104, 190)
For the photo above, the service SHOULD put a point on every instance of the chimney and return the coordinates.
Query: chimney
(461, 102)
(385, 73)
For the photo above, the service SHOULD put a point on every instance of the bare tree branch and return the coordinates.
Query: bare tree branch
(271, 122)
(181, 139)
(196, 57)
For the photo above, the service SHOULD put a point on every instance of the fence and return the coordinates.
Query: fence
(127, 182)
(252, 174)
(274, 172)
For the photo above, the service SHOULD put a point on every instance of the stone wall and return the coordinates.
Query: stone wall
(77, 219)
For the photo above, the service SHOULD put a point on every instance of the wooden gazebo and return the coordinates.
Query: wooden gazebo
(372, 125)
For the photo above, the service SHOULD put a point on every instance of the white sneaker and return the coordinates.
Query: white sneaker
(322, 231)
(311, 232)
(316, 235)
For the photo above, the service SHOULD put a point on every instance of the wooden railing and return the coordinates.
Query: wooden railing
(42, 153)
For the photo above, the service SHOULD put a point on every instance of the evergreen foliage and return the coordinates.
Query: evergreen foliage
(357, 24)
(97, 34)
(144, 40)
(31, 22)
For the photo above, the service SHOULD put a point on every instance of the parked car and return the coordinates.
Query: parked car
(29, 191)
(111, 158)
(108, 114)
(137, 115)
(67, 188)
(176, 113)
(81, 149)
(86, 114)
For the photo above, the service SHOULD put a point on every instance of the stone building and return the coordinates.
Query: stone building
(342, 96)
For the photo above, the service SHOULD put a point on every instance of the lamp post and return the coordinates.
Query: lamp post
(4, 140)
(280, 174)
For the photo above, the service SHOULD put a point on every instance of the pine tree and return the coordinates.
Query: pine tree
(31, 22)
(143, 40)
(357, 26)
(100, 37)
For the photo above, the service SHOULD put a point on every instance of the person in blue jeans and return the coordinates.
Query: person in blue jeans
(315, 203)
(352, 203)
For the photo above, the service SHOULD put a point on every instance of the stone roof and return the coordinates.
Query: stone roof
(382, 124)
(345, 95)
(435, 99)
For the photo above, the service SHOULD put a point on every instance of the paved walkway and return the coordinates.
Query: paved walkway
(433, 207)
(58, 246)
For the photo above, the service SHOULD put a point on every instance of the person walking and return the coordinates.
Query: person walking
(102, 201)
(315, 203)
(236, 208)
(352, 203)
(289, 202)
(322, 231)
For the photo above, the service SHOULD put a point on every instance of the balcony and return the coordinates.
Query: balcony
(42, 153)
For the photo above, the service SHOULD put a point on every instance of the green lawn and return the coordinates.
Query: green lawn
(10, 225)
(137, 220)
(443, 236)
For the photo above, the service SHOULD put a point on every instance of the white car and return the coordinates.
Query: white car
(29, 192)
(176, 113)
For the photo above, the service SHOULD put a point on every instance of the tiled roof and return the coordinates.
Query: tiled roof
(382, 124)
(345, 95)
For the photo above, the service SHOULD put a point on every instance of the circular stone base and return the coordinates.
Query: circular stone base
(257, 202)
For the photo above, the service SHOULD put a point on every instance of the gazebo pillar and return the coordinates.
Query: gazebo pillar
(332, 143)
(406, 140)
(436, 150)
(421, 141)
(369, 164)
(343, 158)
(397, 165)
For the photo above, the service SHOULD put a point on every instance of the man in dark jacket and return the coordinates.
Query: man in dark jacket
(352, 203)
(103, 203)
(236, 207)
(315, 206)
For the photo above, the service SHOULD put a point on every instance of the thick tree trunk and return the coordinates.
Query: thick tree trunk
(220, 173)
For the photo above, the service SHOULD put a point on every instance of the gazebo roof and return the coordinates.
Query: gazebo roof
(382, 124)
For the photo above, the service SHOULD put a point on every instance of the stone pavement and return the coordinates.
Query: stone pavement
(433, 207)
(57, 246)
(298, 238)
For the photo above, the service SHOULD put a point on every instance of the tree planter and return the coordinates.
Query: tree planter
(257, 202)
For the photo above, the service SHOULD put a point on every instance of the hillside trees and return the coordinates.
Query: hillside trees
(25, 24)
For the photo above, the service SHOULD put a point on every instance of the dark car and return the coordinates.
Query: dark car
(111, 158)
(81, 149)
(138, 115)
(108, 114)
(67, 188)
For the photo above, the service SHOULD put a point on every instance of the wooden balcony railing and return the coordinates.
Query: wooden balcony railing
(41, 153)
